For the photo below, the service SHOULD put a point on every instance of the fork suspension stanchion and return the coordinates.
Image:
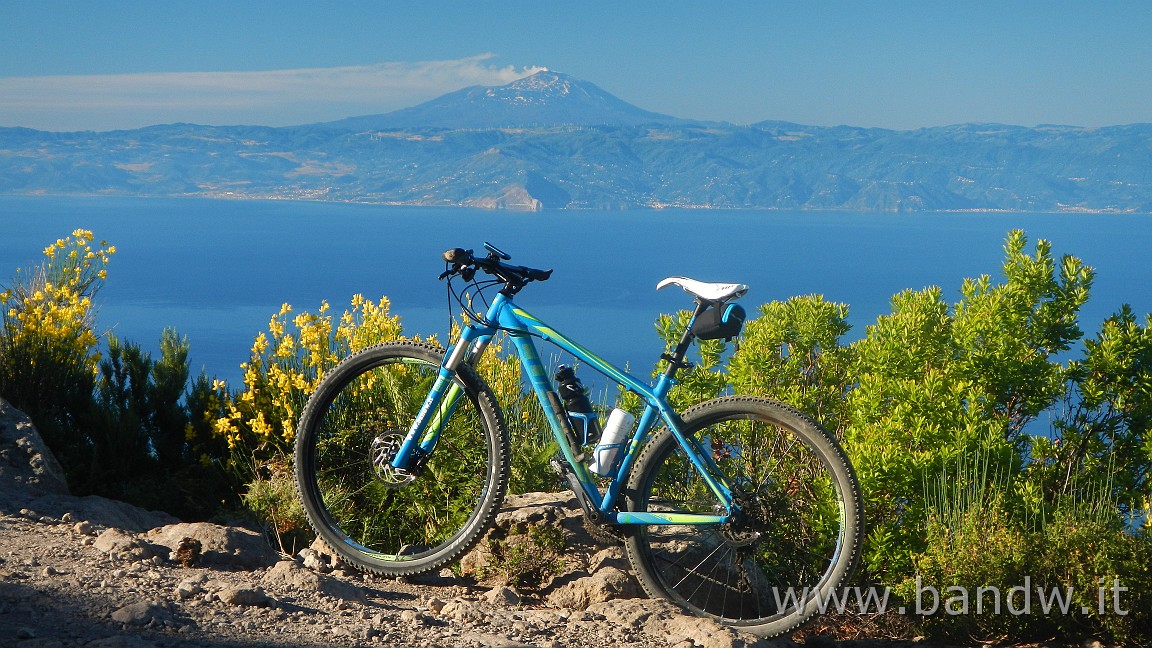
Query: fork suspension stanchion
(442, 398)
(437, 406)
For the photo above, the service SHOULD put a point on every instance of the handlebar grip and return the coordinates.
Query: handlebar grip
(458, 256)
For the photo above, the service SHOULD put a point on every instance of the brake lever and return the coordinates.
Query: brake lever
(465, 271)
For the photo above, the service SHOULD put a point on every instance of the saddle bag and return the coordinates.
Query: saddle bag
(721, 321)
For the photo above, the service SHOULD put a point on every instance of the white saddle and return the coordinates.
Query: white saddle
(704, 290)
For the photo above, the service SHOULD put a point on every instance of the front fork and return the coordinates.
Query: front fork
(441, 401)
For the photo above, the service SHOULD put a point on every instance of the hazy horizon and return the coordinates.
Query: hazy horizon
(901, 65)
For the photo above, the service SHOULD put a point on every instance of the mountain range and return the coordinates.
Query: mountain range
(550, 141)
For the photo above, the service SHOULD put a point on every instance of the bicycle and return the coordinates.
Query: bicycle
(727, 510)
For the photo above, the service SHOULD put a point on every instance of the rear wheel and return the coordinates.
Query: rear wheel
(372, 516)
(801, 517)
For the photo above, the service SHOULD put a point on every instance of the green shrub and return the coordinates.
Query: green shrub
(1101, 437)
(975, 553)
(792, 353)
(936, 382)
(969, 568)
(1085, 546)
(525, 560)
(271, 496)
(991, 570)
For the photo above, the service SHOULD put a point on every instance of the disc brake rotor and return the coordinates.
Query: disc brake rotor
(381, 453)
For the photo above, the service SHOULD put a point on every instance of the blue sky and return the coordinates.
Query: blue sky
(117, 64)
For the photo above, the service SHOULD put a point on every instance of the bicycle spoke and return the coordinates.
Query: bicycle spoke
(693, 570)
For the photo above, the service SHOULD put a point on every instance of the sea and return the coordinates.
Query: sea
(217, 270)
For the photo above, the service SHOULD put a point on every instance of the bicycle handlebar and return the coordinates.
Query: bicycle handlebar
(515, 277)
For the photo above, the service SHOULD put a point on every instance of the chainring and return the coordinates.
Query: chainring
(603, 534)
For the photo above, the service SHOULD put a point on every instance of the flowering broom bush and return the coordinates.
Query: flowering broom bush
(48, 354)
(258, 421)
(120, 422)
(287, 363)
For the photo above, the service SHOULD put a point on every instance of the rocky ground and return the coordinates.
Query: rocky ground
(96, 573)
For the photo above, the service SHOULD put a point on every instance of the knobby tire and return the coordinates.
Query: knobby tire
(395, 531)
(803, 515)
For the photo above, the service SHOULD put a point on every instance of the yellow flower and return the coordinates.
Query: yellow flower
(260, 427)
(222, 425)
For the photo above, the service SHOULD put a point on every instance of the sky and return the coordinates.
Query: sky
(79, 65)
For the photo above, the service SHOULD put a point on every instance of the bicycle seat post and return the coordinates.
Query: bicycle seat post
(676, 357)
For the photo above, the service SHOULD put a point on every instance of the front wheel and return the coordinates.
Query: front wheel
(798, 533)
(370, 515)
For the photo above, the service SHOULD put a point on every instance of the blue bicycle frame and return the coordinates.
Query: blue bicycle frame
(521, 326)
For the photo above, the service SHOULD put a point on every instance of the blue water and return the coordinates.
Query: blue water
(217, 270)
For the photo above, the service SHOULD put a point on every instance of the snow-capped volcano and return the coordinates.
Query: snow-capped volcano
(543, 99)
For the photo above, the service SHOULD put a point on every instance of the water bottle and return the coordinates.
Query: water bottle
(581, 414)
(616, 431)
